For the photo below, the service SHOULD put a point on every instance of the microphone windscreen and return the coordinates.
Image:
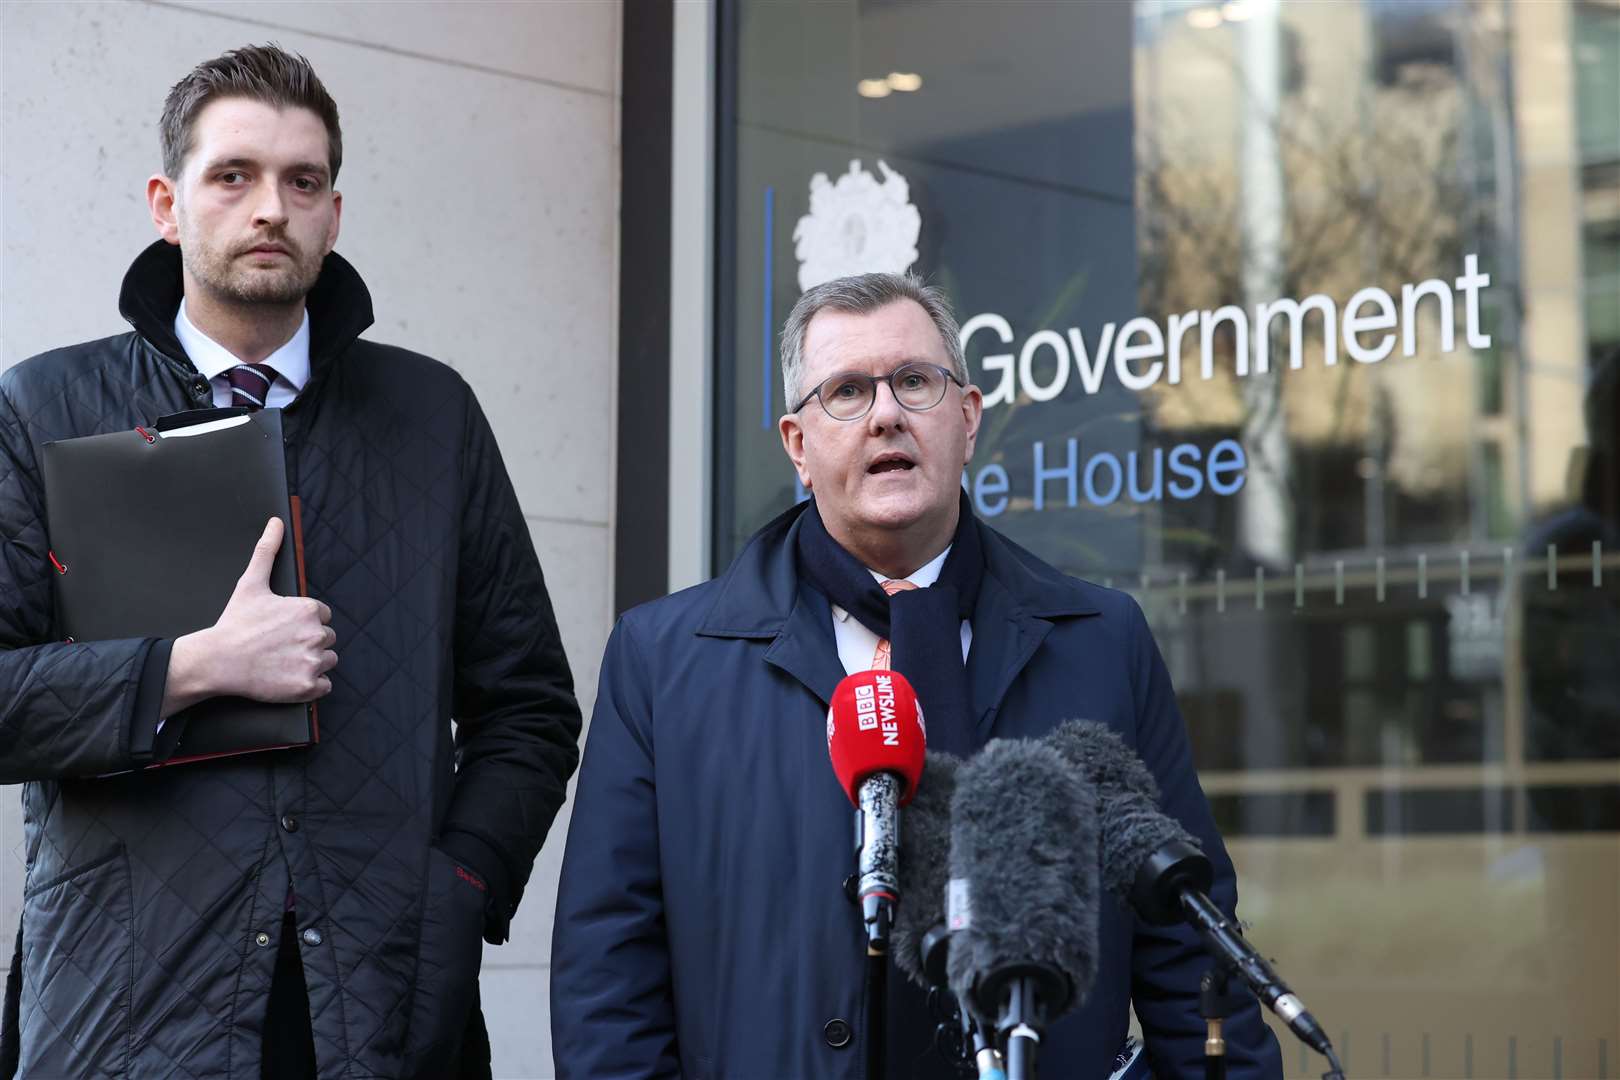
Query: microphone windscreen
(1130, 824)
(875, 725)
(1023, 890)
(925, 863)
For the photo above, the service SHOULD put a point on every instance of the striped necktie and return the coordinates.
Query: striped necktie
(881, 658)
(250, 385)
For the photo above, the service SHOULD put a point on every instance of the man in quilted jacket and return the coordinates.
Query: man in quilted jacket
(302, 913)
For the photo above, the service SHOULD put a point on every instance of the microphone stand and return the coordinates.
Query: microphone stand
(877, 991)
(1027, 993)
(1023, 1041)
(1219, 936)
(873, 889)
(977, 1045)
(1218, 998)
(986, 1058)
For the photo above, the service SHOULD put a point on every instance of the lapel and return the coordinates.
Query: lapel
(1004, 639)
(762, 599)
(1020, 599)
(806, 648)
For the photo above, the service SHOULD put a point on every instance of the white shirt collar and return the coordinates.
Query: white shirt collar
(212, 359)
(923, 577)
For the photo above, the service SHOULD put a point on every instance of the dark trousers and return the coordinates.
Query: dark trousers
(289, 1047)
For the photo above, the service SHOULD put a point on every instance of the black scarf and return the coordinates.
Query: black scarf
(924, 626)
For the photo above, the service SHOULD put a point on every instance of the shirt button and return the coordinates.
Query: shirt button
(312, 936)
(289, 823)
(261, 939)
(199, 389)
(837, 1033)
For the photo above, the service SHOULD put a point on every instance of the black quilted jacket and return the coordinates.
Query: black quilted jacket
(154, 899)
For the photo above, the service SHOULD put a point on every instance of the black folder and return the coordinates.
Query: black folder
(150, 530)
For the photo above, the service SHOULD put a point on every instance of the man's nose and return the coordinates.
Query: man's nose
(270, 209)
(886, 411)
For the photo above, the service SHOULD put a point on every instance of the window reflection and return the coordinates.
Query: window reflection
(1395, 629)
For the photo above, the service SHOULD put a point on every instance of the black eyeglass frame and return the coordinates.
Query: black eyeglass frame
(873, 380)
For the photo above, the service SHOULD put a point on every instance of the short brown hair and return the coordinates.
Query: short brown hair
(264, 73)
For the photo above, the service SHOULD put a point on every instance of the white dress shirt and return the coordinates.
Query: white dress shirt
(213, 360)
(857, 645)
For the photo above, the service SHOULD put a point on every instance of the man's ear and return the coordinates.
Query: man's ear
(972, 414)
(160, 197)
(337, 219)
(792, 432)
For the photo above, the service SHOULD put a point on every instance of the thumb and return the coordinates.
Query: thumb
(257, 574)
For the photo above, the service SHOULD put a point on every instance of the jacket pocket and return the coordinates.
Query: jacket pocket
(448, 959)
(77, 978)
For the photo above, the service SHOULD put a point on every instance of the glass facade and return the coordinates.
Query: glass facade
(1301, 323)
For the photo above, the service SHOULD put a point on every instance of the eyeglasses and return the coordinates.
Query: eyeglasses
(917, 387)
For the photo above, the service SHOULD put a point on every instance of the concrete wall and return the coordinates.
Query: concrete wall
(481, 192)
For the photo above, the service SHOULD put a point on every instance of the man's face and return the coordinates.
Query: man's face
(253, 210)
(892, 469)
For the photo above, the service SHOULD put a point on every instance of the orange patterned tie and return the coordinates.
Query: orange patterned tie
(880, 659)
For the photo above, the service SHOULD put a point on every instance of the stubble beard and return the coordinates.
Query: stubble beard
(224, 274)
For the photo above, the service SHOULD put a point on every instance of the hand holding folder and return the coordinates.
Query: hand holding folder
(264, 646)
(150, 532)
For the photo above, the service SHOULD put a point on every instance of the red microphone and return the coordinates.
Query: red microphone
(876, 739)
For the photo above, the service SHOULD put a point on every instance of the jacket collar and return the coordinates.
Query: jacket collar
(761, 598)
(339, 305)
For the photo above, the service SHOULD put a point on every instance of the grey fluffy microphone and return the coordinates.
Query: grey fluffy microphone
(921, 943)
(1023, 897)
(1152, 862)
(925, 855)
(1130, 825)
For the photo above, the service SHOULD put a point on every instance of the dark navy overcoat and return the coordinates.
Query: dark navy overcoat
(702, 930)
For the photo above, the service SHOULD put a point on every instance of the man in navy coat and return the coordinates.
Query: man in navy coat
(702, 927)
